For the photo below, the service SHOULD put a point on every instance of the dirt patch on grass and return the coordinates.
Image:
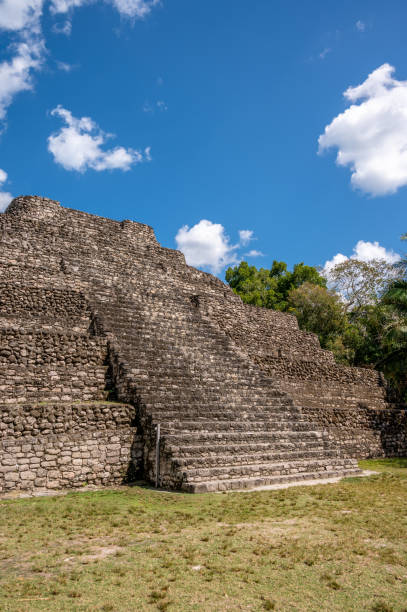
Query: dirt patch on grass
(294, 528)
(97, 554)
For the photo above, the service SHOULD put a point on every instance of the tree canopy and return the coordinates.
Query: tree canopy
(318, 310)
(361, 282)
(361, 316)
(271, 287)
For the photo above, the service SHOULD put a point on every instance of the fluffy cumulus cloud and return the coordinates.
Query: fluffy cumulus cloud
(363, 251)
(371, 137)
(18, 15)
(5, 197)
(206, 245)
(78, 146)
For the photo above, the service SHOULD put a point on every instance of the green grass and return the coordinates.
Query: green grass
(393, 466)
(338, 547)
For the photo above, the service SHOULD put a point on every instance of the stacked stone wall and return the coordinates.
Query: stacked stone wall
(51, 446)
(43, 307)
(364, 432)
(55, 418)
(41, 365)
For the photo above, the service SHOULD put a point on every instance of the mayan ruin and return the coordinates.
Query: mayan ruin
(105, 335)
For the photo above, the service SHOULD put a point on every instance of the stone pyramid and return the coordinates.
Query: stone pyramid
(105, 335)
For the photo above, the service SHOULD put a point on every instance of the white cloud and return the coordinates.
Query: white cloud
(371, 137)
(64, 66)
(335, 261)
(16, 15)
(27, 54)
(135, 9)
(366, 251)
(363, 251)
(360, 25)
(64, 6)
(245, 236)
(206, 245)
(5, 197)
(15, 74)
(78, 146)
(254, 253)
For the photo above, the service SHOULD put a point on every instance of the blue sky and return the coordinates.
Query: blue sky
(207, 115)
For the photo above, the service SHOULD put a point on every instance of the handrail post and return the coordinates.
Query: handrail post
(157, 457)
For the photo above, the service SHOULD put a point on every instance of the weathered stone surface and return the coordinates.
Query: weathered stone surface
(93, 309)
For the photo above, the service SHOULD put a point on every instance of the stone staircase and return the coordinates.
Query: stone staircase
(224, 424)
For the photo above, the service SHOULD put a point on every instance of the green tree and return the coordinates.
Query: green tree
(377, 334)
(318, 310)
(393, 360)
(361, 283)
(321, 311)
(270, 287)
(365, 334)
(402, 264)
(254, 286)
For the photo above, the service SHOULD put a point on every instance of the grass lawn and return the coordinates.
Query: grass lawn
(335, 547)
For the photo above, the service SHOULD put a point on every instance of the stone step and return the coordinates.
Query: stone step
(268, 468)
(225, 379)
(219, 417)
(231, 437)
(189, 398)
(215, 460)
(244, 448)
(264, 419)
(198, 402)
(244, 388)
(264, 481)
(211, 427)
(223, 408)
(199, 406)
